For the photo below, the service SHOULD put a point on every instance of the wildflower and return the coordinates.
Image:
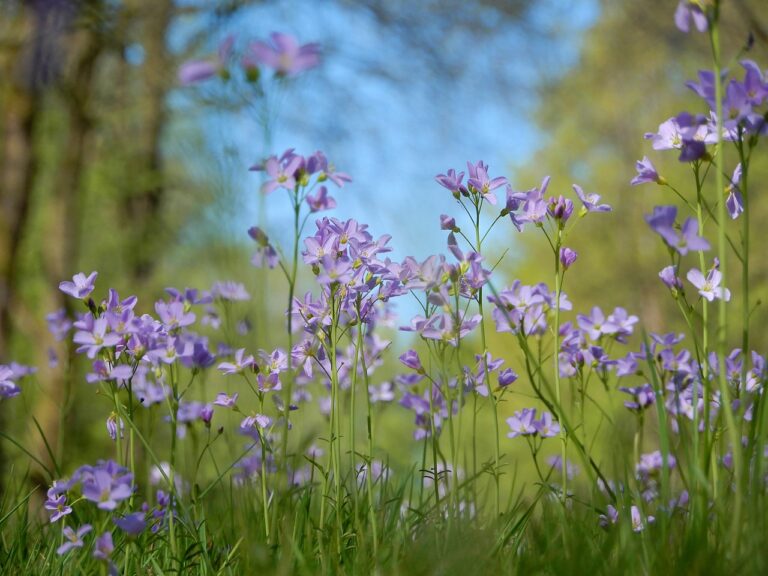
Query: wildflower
(646, 172)
(58, 324)
(452, 182)
(104, 546)
(241, 363)
(321, 201)
(688, 10)
(522, 423)
(231, 291)
(687, 239)
(80, 286)
(610, 517)
(481, 183)
(734, 203)
(8, 388)
(107, 489)
(131, 524)
(637, 519)
(74, 539)
(226, 401)
(193, 71)
(447, 222)
(567, 257)
(283, 54)
(265, 252)
(642, 397)
(546, 427)
(507, 377)
(411, 360)
(93, 340)
(709, 287)
(174, 315)
(669, 276)
(115, 424)
(590, 201)
(57, 504)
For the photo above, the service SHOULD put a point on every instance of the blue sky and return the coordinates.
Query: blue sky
(394, 129)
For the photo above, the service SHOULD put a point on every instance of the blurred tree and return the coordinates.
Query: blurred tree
(629, 78)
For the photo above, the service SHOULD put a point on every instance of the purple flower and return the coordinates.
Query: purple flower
(642, 397)
(687, 239)
(669, 276)
(115, 424)
(57, 504)
(452, 181)
(193, 71)
(265, 252)
(283, 54)
(8, 388)
(522, 423)
(231, 291)
(73, 539)
(482, 183)
(385, 392)
(646, 173)
(59, 324)
(507, 377)
(447, 222)
(282, 174)
(610, 517)
(107, 489)
(560, 208)
(132, 524)
(590, 201)
(688, 10)
(321, 201)
(637, 519)
(259, 421)
(567, 257)
(226, 401)
(174, 314)
(735, 203)
(105, 371)
(81, 285)
(93, 340)
(709, 287)
(411, 360)
(103, 547)
(546, 427)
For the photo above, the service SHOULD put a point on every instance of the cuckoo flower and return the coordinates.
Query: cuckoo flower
(709, 286)
(452, 182)
(8, 388)
(646, 172)
(80, 286)
(523, 423)
(590, 201)
(242, 362)
(283, 54)
(482, 183)
(93, 340)
(690, 10)
(72, 538)
(193, 71)
(734, 203)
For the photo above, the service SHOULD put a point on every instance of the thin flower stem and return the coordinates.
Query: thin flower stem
(369, 475)
(556, 362)
(734, 434)
(486, 377)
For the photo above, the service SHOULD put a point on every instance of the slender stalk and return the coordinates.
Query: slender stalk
(486, 377)
(556, 362)
(369, 475)
(722, 332)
